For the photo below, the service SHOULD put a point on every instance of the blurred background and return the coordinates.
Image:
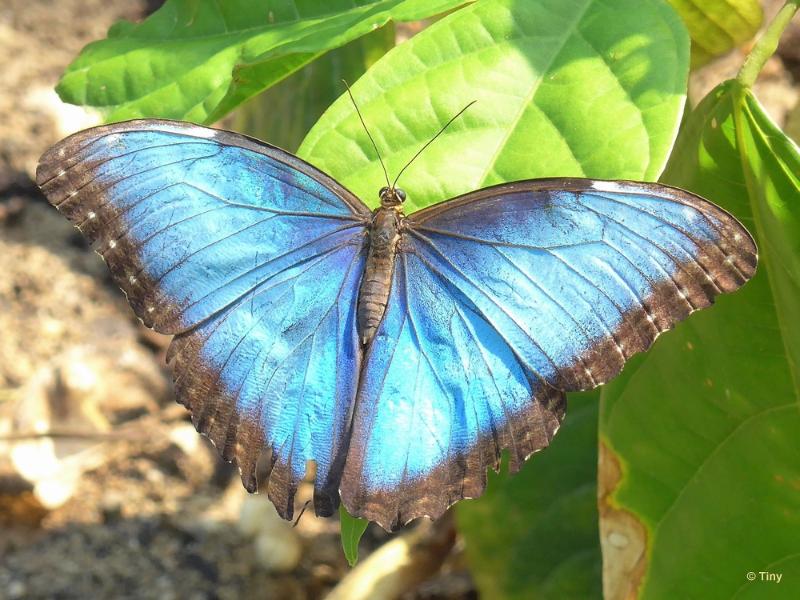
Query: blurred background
(106, 490)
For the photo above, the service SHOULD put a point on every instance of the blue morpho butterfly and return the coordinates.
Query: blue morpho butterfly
(400, 353)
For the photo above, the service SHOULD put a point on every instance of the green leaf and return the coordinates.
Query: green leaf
(701, 433)
(772, 173)
(534, 535)
(351, 531)
(563, 88)
(199, 60)
(792, 127)
(717, 26)
(277, 116)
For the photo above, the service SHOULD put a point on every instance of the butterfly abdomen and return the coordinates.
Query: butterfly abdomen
(384, 234)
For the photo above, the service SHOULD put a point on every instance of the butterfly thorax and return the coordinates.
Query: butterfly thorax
(373, 295)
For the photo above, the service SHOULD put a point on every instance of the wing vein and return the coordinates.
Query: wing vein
(587, 336)
(719, 231)
(673, 258)
(427, 240)
(501, 400)
(415, 331)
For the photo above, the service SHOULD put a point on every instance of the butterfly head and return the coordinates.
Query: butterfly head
(391, 196)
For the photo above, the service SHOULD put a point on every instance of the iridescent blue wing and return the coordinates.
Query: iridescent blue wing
(190, 218)
(505, 295)
(252, 258)
(278, 370)
(440, 395)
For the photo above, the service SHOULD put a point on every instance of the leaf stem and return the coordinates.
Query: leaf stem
(766, 44)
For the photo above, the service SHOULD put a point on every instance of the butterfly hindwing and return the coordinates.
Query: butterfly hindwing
(578, 275)
(277, 371)
(441, 394)
(253, 258)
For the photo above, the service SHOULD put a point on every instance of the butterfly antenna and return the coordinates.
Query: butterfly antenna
(374, 145)
(441, 131)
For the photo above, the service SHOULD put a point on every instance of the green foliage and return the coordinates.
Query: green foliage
(352, 530)
(706, 424)
(717, 26)
(699, 461)
(771, 165)
(561, 89)
(277, 116)
(534, 534)
(199, 60)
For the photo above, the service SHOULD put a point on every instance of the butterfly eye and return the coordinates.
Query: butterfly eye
(401, 195)
(383, 191)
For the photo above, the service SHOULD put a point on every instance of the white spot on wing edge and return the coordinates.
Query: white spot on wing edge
(204, 132)
(112, 244)
(609, 186)
(185, 129)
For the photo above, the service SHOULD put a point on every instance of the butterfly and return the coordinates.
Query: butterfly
(399, 354)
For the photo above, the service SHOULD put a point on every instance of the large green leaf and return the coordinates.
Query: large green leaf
(578, 87)
(199, 60)
(701, 434)
(277, 116)
(564, 88)
(717, 26)
(534, 535)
